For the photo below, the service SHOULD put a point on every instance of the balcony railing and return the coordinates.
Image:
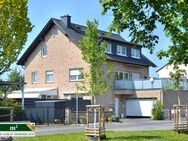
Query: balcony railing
(147, 84)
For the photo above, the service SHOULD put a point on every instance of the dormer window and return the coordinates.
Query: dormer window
(44, 51)
(135, 53)
(109, 48)
(121, 50)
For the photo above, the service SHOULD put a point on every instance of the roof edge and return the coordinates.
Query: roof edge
(24, 57)
(162, 67)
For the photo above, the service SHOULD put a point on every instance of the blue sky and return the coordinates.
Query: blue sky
(40, 11)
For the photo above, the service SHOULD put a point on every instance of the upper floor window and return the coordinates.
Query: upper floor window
(34, 77)
(49, 76)
(109, 48)
(76, 74)
(44, 51)
(121, 75)
(135, 53)
(121, 50)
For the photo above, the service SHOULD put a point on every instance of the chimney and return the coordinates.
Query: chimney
(66, 20)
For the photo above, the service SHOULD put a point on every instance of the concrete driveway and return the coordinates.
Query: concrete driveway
(126, 125)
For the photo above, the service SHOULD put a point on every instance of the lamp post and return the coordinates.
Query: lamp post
(151, 80)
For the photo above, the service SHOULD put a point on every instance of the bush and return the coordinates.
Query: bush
(18, 112)
(157, 111)
(82, 119)
(115, 118)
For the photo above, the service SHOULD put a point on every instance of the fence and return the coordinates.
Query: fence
(51, 115)
(44, 115)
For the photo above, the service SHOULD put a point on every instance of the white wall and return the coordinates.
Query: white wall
(165, 72)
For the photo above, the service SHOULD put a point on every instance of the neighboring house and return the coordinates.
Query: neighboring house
(164, 72)
(54, 60)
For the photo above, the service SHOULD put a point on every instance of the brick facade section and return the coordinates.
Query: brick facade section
(62, 56)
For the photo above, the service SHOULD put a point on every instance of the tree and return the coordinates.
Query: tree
(140, 17)
(177, 84)
(15, 76)
(14, 27)
(93, 51)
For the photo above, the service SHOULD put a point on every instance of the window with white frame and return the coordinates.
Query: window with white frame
(55, 32)
(109, 48)
(135, 53)
(121, 50)
(49, 76)
(121, 75)
(44, 51)
(34, 77)
(76, 74)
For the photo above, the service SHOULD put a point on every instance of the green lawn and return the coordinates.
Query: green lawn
(116, 136)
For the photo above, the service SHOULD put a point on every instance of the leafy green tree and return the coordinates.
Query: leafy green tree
(15, 76)
(141, 18)
(177, 84)
(93, 51)
(14, 27)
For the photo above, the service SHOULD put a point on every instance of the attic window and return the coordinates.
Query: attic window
(109, 48)
(44, 51)
(55, 32)
(135, 53)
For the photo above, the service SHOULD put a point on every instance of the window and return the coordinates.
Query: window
(55, 32)
(44, 51)
(135, 53)
(121, 50)
(76, 74)
(49, 76)
(34, 77)
(135, 76)
(121, 75)
(109, 48)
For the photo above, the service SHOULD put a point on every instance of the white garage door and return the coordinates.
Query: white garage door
(139, 107)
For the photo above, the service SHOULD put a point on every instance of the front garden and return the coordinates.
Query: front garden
(115, 136)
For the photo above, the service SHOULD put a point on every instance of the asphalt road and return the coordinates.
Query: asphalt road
(126, 125)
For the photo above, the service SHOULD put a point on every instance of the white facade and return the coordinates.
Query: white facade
(164, 72)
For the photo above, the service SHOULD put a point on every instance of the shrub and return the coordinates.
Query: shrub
(18, 112)
(157, 111)
(115, 118)
(82, 119)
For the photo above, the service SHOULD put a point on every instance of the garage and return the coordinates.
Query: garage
(139, 107)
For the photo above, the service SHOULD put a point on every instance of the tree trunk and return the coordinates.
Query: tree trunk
(179, 102)
(95, 112)
(178, 95)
